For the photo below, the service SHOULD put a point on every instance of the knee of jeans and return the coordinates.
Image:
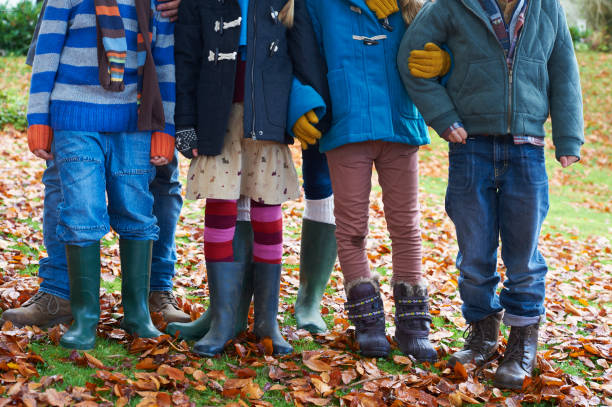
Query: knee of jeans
(80, 235)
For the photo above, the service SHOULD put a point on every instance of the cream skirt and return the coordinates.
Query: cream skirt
(261, 170)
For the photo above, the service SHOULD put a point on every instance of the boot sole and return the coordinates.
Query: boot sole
(375, 353)
(501, 385)
(65, 320)
(77, 347)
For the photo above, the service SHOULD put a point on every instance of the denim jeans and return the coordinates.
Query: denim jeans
(166, 191)
(497, 189)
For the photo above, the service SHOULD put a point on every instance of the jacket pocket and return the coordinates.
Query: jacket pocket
(340, 96)
(276, 89)
(531, 87)
(483, 83)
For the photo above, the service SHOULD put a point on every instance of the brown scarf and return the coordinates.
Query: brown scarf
(150, 105)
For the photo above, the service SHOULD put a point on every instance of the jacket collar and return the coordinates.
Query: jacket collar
(476, 8)
(363, 6)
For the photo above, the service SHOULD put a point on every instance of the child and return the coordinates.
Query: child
(514, 64)
(101, 106)
(234, 83)
(374, 122)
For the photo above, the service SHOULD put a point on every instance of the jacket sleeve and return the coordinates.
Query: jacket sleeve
(565, 97)
(188, 58)
(309, 68)
(302, 100)
(429, 95)
(51, 39)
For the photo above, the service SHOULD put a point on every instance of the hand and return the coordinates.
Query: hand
(186, 142)
(158, 161)
(305, 132)
(429, 62)
(458, 135)
(383, 8)
(45, 155)
(567, 160)
(169, 9)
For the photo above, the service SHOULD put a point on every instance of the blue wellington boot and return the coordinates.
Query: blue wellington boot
(243, 254)
(266, 282)
(225, 286)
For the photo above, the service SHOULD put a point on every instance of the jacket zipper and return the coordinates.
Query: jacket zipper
(509, 70)
(253, 135)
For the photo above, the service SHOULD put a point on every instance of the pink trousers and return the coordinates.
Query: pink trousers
(350, 167)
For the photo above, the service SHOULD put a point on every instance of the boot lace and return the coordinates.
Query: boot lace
(38, 298)
(168, 298)
(515, 350)
(474, 336)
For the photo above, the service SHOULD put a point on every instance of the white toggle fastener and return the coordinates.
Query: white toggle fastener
(231, 24)
(375, 38)
(212, 57)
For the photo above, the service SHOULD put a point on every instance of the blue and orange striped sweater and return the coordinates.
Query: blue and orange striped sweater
(65, 90)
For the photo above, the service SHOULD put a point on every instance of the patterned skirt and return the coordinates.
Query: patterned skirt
(261, 170)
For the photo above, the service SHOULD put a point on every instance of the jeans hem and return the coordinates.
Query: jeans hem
(518, 320)
(57, 293)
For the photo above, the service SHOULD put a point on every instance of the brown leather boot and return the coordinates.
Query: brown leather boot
(481, 343)
(43, 310)
(520, 357)
(165, 303)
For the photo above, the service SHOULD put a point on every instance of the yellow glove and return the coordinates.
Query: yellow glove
(430, 62)
(304, 130)
(383, 8)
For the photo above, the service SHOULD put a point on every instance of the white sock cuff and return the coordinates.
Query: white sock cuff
(244, 209)
(320, 210)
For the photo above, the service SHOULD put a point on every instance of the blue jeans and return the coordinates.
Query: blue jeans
(166, 191)
(497, 189)
(317, 183)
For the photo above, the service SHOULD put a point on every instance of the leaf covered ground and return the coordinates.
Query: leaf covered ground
(573, 362)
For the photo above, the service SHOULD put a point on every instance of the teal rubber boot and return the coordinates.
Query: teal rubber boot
(317, 258)
(225, 286)
(266, 282)
(84, 275)
(135, 280)
(243, 254)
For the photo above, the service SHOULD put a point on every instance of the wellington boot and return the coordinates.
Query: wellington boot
(267, 286)
(84, 274)
(243, 254)
(317, 258)
(135, 279)
(225, 285)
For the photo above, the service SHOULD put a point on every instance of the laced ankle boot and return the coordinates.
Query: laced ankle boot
(481, 343)
(520, 357)
(366, 312)
(413, 321)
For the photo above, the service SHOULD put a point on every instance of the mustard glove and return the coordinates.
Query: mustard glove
(429, 62)
(304, 130)
(383, 8)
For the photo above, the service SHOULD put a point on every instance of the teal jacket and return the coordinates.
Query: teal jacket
(367, 96)
(481, 92)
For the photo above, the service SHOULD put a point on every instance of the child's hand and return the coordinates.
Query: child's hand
(158, 161)
(458, 135)
(45, 155)
(568, 160)
(305, 132)
(169, 8)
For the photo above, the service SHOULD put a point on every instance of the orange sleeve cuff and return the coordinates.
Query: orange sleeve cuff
(162, 144)
(40, 137)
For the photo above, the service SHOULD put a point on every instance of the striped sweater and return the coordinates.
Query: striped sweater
(65, 91)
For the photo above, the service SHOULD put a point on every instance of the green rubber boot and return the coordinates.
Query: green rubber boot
(225, 285)
(243, 254)
(84, 274)
(135, 280)
(317, 258)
